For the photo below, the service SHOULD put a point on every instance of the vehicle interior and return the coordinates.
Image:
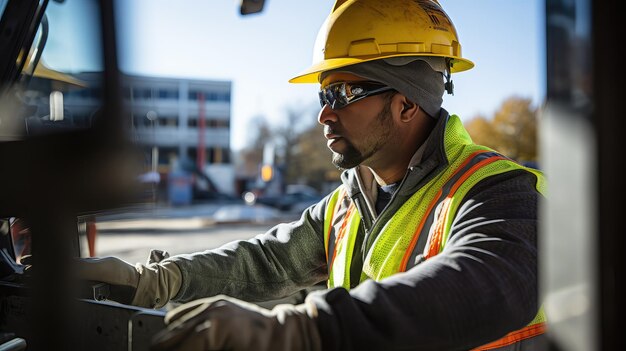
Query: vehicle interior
(58, 173)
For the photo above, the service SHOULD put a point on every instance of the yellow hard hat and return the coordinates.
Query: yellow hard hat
(364, 30)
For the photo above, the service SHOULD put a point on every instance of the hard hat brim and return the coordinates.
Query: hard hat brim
(312, 74)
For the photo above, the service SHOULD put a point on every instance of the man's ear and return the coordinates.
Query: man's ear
(409, 111)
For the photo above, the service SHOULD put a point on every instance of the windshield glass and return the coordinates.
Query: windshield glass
(74, 41)
(3, 5)
(65, 52)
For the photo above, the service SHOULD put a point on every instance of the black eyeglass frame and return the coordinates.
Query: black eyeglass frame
(341, 94)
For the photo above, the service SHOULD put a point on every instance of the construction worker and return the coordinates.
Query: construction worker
(430, 243)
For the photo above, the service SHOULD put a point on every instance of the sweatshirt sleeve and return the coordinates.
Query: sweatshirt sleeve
(480, 287)
(287, 258)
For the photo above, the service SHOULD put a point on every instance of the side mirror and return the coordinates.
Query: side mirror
(251, 6)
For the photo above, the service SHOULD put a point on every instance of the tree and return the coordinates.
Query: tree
(305, 158)
(301, 152)
(252, 155)
(313, 159)
(482, 131)
(288, 136)
(512, 130)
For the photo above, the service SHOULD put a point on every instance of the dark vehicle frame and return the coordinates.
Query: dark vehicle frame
(46, 308)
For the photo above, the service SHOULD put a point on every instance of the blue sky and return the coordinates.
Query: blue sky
(208, 39)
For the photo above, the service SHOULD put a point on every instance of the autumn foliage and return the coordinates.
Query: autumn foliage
(512, 130)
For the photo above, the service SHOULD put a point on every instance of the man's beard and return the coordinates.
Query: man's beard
(353, 157)
(350, 158)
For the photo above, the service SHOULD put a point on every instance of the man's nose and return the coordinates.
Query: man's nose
(326, 115)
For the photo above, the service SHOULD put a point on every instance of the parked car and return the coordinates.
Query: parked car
(295, 199)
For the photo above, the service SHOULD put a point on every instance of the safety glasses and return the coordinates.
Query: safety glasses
(341, 94)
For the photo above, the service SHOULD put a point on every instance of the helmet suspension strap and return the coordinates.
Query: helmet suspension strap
(449, 85)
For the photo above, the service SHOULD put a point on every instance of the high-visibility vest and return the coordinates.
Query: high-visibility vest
(420, 228)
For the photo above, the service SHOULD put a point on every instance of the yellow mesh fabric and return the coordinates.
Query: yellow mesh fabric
(386, 254)
(340, 270)
(539, 318)
(542, 186)
(388, 250)
(328, 217)
(458, 136)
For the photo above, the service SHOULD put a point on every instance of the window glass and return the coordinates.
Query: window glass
(3, 5)
(63, 70)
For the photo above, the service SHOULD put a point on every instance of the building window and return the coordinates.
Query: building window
(219, 123)
(168, 121)
(169, 94)
(193, 122)
(142, 93)
(141, 120)
(166, 153)
(210, 95)
(226, 156)
(218, 155)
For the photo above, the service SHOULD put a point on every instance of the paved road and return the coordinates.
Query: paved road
(134, 245)
(130, 233)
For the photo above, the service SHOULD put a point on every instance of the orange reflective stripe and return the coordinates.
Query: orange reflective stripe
(433, 244)
(434, 241)
(516, 336)
(342, 232)
(416, 234)
(473, 169)
(329, 230)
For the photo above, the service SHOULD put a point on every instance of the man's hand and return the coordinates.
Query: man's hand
(224, 323)
(121, 276)
(151, 285)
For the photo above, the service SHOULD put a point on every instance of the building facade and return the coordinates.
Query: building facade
(181, 124)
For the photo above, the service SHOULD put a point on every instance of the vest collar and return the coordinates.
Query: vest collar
(430, 156)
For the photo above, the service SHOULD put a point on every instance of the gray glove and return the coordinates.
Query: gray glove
(151, 285)
(225, 323)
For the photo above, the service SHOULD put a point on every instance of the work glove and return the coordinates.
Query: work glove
(149, 285)
(225, 323)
